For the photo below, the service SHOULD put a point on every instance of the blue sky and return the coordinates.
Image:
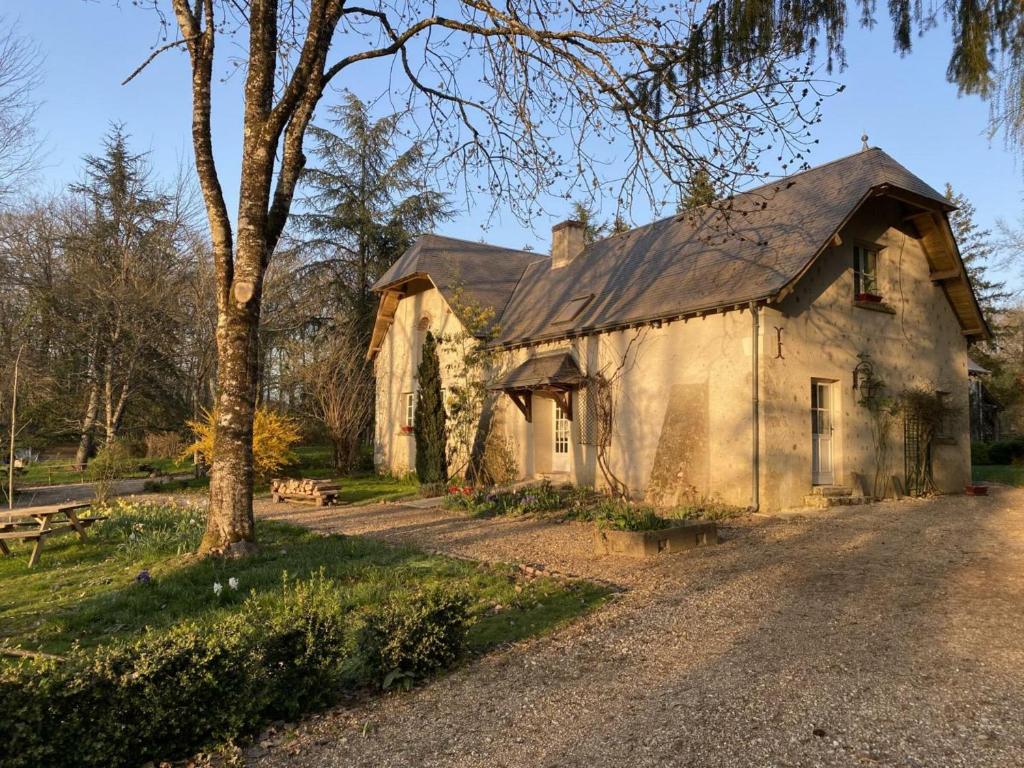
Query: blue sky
(904, 104)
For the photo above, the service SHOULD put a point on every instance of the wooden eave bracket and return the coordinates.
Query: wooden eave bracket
(524, 402)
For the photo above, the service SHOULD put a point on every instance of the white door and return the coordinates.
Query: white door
(560, 448)
(822, 472)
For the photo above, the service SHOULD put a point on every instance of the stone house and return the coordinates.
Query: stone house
(720, 353)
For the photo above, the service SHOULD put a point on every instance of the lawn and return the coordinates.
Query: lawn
(88, 593)
(313, 461)
(62, 472)
(355, 489)
(999, 473)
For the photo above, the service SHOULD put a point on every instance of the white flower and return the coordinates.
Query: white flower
(217, 588)
(233, 582)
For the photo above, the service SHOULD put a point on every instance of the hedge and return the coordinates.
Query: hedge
(1009, 451)
(171, 694)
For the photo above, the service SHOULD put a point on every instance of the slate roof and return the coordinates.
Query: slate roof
(487, 273)
(705, 259)
(747, 249)
(541, 371)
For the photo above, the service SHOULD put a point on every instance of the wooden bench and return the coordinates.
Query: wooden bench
(36, 524)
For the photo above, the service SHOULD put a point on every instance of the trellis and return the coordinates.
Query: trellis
(917, 461)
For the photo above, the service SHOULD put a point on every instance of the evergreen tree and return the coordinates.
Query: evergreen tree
(594, 230)
(367, 200)
(977, 249)
(585, 215)
(429, 428)
(700, 190)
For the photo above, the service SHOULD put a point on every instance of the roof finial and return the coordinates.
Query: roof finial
(864, 141)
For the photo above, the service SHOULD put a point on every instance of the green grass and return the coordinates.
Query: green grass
(356, 489)
(995, 473)
(87, 593)
(62, 472)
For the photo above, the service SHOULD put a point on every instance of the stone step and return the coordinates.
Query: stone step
(824, 502)
(831, 490)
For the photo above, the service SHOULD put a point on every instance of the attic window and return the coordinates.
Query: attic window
(424, 322)
(572, 309)
(865, 274)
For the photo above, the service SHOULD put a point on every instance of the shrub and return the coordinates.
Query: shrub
(410, 637)
(163, 445)
(172, 693)
(980, 454)
(112, 461)
(1006, 451)
(306, 650)
(274, 435)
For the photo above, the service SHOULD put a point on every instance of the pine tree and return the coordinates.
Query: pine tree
(585, 215)
(699, 190)
(429, 428)
(977, 249)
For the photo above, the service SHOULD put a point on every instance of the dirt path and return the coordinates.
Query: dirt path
(887, 635)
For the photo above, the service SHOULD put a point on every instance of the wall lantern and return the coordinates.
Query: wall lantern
(864, 380)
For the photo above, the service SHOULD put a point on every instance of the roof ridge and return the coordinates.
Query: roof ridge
(434, 235)
(780, 179)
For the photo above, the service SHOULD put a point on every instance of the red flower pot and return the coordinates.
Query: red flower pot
(976, 490)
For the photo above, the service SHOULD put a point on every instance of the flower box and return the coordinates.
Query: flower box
(407, 430)
(687, 535)
(872, 298)
(976, 490)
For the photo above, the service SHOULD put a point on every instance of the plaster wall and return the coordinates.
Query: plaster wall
(395, 370)
(681, 427)
(920, 344)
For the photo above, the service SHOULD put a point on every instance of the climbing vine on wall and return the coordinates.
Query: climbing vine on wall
(924, 413)
(476, 449)
(884, 411)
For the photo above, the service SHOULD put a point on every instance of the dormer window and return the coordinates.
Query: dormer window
(865, 274)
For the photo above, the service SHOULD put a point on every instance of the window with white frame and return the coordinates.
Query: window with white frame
(410, 410)
(865, 271)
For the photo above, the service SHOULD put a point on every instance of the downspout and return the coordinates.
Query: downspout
(755, 408)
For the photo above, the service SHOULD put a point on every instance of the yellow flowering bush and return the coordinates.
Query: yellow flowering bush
(274, 436)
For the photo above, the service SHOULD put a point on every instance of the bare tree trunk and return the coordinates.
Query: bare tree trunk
(85, 440)
(229, 525)
(108, 398)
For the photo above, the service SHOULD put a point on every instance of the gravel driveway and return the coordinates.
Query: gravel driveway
(885, 635)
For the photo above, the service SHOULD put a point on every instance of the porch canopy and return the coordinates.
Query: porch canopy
(553, 376)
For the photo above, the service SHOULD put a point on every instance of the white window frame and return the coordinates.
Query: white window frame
(410, 409)
(865, 280)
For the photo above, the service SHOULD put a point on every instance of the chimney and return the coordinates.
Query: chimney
(566, 242)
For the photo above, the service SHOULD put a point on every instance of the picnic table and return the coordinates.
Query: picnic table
(35, 524)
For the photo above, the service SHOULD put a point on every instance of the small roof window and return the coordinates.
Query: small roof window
(572, 309)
